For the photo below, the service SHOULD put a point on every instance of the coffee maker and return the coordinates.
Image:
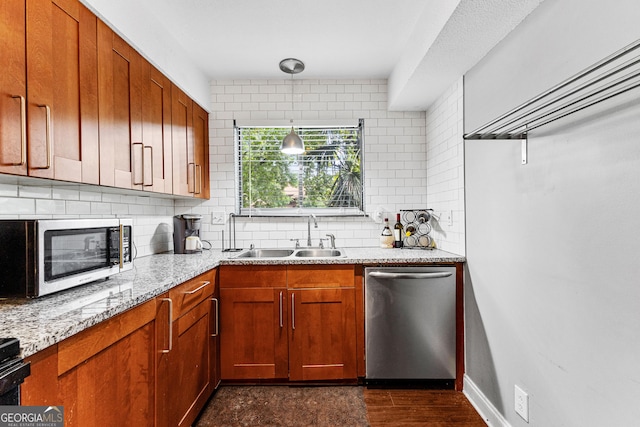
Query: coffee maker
(186, 234)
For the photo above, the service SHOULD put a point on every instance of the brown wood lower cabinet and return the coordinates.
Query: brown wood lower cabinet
(253, 333)
(102, 376)
(322, 338)
(187, 370)
(288, 322)
(153, 365)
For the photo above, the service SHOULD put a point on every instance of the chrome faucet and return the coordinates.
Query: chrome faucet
(315, 225)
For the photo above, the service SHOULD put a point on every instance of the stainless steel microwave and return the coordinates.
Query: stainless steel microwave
(43, 256)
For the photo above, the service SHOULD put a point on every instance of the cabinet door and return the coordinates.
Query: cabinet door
(253, 333)
(165, 378)
(62, 107)
(152, 157)
(182, 143)
(192, 371)
(186, 356)
(214, 354)
(13, 88)
(201, 151)
(322, 334)
(120, 96)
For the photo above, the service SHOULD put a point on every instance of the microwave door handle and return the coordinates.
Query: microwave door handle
(121, 247)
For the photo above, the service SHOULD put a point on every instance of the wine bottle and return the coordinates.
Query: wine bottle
(397, 233)
(386, 239)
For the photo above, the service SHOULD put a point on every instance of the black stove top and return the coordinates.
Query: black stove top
(9, 349)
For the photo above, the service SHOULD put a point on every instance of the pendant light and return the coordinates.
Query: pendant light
(292, 143)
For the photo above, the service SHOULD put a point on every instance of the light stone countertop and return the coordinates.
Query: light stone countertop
(42, 322)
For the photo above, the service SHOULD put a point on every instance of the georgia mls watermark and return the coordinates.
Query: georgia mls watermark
(31, 416)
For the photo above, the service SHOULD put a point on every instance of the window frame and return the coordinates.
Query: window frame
(299, 211)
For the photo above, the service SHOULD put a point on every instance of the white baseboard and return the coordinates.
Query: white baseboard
(485, 408)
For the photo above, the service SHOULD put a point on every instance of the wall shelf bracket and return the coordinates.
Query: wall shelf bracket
(524, 143)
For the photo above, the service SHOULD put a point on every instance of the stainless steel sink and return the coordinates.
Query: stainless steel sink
(266, 253)
(317, 253)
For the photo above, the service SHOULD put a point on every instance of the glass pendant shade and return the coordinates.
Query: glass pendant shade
(292, 144)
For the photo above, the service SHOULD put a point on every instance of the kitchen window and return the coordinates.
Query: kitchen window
(326, 179)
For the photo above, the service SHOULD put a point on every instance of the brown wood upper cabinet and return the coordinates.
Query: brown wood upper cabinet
(190, 139)
(153, 164)
(77, 103)
(135, 118)
(48, 50)
(120, 97)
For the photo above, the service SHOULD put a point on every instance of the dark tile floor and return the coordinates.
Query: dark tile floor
(285, 406)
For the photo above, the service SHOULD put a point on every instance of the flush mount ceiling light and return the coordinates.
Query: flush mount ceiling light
(292, 143)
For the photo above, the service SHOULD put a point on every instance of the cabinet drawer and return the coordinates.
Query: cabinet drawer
(80, 347)
(191, 293)
(253, 276)
(320, 276)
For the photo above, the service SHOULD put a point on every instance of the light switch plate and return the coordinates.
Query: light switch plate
(218, 217)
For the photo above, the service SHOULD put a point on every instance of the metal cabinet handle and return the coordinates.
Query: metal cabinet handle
(206, 282)
(147, 166)
(293, 312)
(217, 317)
(136, 178)
(198, 179)
(23, 130)
(191, 185)
(281, 319)
(387, 275)
(48, 140)
(170, 324)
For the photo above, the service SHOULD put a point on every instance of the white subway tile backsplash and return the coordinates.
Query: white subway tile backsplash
(386, 133)
(8, 190)
(34, 192)
(74, 207)
(444, 167)
(15, 206)
(65, 194)
(53, 207)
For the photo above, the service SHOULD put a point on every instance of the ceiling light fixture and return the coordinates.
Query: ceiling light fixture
(292, 143)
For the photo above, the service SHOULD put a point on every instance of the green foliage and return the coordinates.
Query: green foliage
(265, 170)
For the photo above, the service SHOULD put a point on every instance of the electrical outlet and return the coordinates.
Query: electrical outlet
(218, 217)
(521, 403)
(447, 217)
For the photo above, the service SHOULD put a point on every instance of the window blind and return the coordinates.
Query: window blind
(327, 176)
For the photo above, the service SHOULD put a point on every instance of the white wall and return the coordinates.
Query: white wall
(394, 154)
(551, 291)
(445, 168)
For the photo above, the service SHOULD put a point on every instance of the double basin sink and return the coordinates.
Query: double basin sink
(297, 253)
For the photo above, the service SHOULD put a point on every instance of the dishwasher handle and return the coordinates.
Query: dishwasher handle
(410, 275)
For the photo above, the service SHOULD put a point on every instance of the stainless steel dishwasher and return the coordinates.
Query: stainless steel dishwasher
(410, 323)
